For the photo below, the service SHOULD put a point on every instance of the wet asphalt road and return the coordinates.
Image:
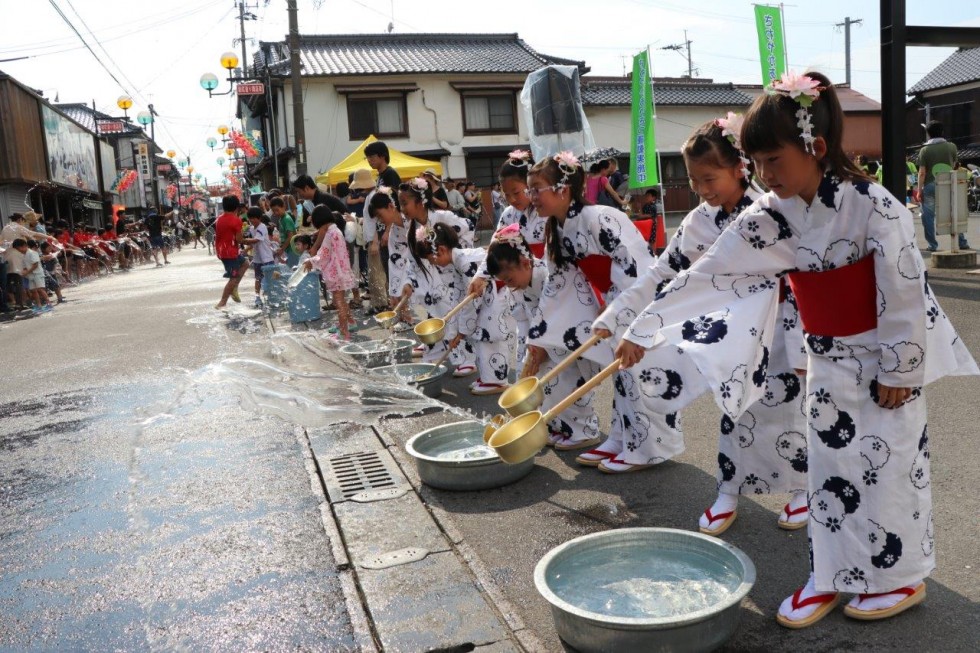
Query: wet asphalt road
(138, 512)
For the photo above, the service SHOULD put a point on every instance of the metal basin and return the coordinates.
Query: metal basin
(375, 353)
(425, 376)
(454, 457)
(645, 589)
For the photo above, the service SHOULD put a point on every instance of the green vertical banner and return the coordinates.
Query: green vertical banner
(772, 53)
(643, 152)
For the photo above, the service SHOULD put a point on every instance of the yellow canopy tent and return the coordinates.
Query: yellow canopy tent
(407, 166)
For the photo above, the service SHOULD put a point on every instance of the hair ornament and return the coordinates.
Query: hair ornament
(568, 163)
(519, 158)
(384, 189)
(803, 90)
(511, 235)
(731, 128)
(420, 185)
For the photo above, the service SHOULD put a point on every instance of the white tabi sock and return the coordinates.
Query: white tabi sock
(879, 602)
(786, 607)
(724, 503)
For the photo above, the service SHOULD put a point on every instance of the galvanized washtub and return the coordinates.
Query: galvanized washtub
(375, 353)
(645, 589)
(425, 376)
(454, 457)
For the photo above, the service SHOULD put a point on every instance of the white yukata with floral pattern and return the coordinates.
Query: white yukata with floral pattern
(870, 508)
(563, 320)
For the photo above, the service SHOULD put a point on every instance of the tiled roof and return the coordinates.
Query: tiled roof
(392, 54)
(961, 67)
(689, 93)
(84, 115)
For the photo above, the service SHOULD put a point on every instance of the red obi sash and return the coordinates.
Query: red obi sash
(537, 249)
(500, 285)
(838, 302)
(598, 270)
(645, 227)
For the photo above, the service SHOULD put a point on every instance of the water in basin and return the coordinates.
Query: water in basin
(641, 581)
(461, 444)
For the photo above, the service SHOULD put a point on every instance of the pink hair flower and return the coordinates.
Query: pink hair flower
(519, 155)
(567, 159)
(385, 189)
(731, 126)
(801, 88)
(420, 183)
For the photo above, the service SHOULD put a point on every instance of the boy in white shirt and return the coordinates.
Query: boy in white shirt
(262, 251)
(33, 274)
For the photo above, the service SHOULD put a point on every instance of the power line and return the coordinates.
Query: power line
(85, 43)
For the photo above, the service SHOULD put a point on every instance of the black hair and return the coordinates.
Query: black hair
(510, 171)
(255, 212)
(18, 242)
(45, 246)
(32, 244)
(709, 145)
(323, 215)
(873, 167)
(343, 189)
(17, 217)
(934, 129)
(499, 252)
(423, 195)
(575, 182)
(377, 147)
(277, 201)
(653, 192)
(770, 124)
(379, 201)
(304, 181)
(230, 203)
(445, 236)
(305, 239)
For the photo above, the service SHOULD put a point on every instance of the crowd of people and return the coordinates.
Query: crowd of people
(38, 260)
(794, 293)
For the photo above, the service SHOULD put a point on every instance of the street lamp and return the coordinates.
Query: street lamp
(209, 81)
(146, 118)
(190, 169)
(221, 160)
(124, 102)
(230, 151)
(211, 142)
(222, 129)
(171, 154)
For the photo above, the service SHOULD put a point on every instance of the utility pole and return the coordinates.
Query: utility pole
(847, 45)
(677, 47)
(241, 22)
(153, 156)
(299, 128)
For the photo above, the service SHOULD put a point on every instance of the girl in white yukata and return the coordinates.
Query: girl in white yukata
(593, 253)
(752, 456)
(874, 333)
(382, 208)
(519, 211)
(486, 322)
(432, 288)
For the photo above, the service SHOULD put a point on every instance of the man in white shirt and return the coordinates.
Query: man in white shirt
(262, 251)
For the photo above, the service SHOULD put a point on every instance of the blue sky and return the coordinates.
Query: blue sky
(159, 50)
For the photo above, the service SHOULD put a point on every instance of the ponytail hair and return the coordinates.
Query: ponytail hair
(571, 178)
(771, 123)
(707, 144)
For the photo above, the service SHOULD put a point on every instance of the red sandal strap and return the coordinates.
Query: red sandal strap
(797, 511)
(714, 518)
(603, 454)
(907, 591)
(816, 599)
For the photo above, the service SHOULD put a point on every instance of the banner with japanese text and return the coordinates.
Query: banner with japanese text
(772, 53)
(643, 148)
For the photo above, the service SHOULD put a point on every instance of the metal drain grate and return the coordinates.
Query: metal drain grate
(357, 472)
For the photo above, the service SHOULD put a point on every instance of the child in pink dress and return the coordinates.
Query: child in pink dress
(334, 264)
